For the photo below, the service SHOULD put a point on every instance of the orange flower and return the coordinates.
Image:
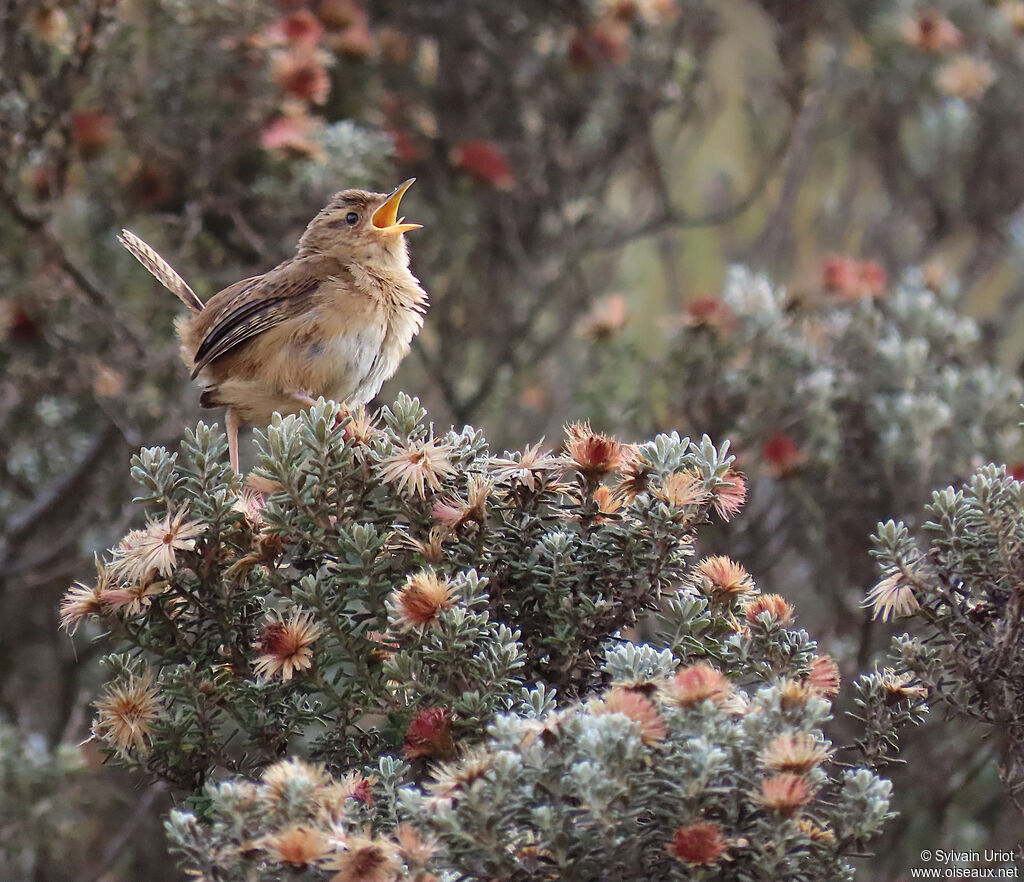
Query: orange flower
(794, 694)
(785, 793)
(681, 489)
(853, 279)
(429, 735)
(724, 578)
(773, 604)
(284, 646)
(633, 705)
(297, 846)
(699, 844)
(484, 162)
(697, 683)
(421, 600)
(364, 860)
(824, 676)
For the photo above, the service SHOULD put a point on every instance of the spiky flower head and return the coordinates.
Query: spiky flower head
(417, 467)
(824, 676)
(82, 601)
(593, 454)
(284, 646)
(419, 602)
(635, 707)
(785, 793)
(697, 683)
(798, 753)
(776, 606)
(126, 712)
(297, 846)
(730, 495)
(699, 844)
(146, 553)
(681, 489)
(891, 597)
(429, 735)
(722, 578)
(293, 782)
(362, 859)
(531, 467)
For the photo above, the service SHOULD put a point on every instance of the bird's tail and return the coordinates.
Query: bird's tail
(161, 270)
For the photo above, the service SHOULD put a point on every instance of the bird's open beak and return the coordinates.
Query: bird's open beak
(386, 217)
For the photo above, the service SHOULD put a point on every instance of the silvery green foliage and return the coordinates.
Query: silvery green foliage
(962, 577)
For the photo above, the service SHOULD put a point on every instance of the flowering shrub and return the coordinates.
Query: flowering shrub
(846, 406)
(393, 641)
(961, 580)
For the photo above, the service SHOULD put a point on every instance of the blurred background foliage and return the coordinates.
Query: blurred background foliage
(587, 171)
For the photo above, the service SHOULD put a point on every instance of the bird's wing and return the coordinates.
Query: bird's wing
(252, 306)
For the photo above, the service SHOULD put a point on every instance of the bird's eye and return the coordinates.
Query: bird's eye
(352, 218)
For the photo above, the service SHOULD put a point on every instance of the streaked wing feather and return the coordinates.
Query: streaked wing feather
(261, 311)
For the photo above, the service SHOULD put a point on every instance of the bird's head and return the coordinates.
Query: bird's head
(361, 227)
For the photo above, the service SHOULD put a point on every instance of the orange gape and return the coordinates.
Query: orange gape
(334, 320)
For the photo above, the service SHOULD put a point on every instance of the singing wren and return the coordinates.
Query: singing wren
(334, 320)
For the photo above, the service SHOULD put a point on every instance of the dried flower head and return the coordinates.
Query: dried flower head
(697, 683)
(419, 602)
(730, 495)
(143, 554)
(417, 466)
(361, 427)
(130, 600)
(532, 467)
(782, 455)
(898, 686)
(82, 601)
(429, 735)
(293, 782)
(700, 843)
(891, 597)
(451, 778)
(681, 489)
(284, 646)
(814, 832)
(361, 859)
(785, 793)
(965, 77)
(635, 473)
(594, 454)
(126, 712)
(297, 846)
(723, 578)
(608, 501)
(799, 753)
(416, 848)
(794, 694)
(775, 605)
(637, 708)
(485, 162)
(824, 676)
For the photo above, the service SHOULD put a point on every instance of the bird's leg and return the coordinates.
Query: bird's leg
(302, 397)
(233, 423)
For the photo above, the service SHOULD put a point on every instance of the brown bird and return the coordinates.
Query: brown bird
(334, 320)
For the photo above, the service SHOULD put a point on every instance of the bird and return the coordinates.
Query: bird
(335, 320)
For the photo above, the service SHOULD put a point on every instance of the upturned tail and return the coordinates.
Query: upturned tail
(161, 270)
